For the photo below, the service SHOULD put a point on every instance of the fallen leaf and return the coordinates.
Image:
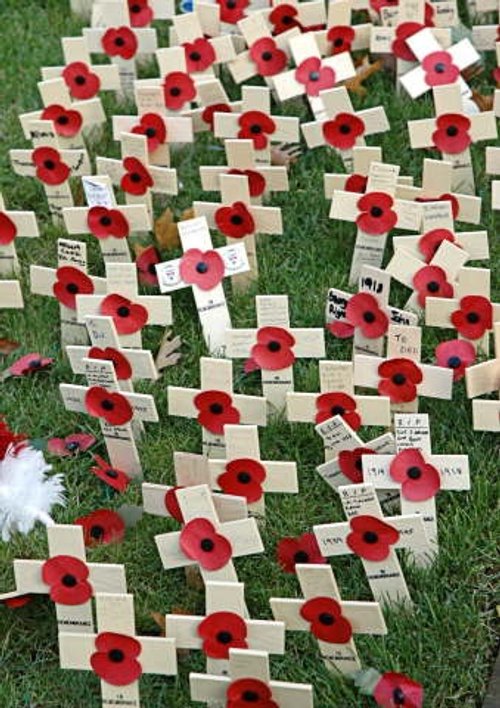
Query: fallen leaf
(7, 346)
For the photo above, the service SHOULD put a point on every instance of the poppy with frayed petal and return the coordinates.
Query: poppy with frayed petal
(268, 57)
(284, 17)
(455, 206)
(356, 183)
(363, 312)
(399, 379)
(205, 269)
(200, 55)
(29, 364)
(394, 690)
(244, 478)
(103, 223)
(343, 131)
(9, 439)
(207, 115)
(326, 620)
(120, 42)
(340, 329)
(200, 541)
(439, 69)
(102, 526)
(430, 281)
(110, 405)
(153, 127)
(172, 504)
(377, 216)
(8, 229)
(67, 123)
(256, 181)
(371, 538)
(70, 445)
(136, 179)
(141, 14)
(273, 350)
(251, 692)
(71, 282)
(457, 355)
(337, 403)
(222, 631)
(351, 464)
(146, 262)
(314, 76)
(451, 135)
(419, 480)
(67, 578)
(341, 38)
(115, 478)
(429, 242)
(474, 316)
(178, 89)
(216, 410)
(115, 660)
(50, 168)
(404, 31)
(121, 364)
(234, 221)
(256, 126)
(81, 81)
(13, 603)
(129, 317)
(300, 549)
(232, 11)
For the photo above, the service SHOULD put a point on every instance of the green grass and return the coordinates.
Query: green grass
(447, 642)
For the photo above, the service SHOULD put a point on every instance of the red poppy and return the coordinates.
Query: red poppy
(371, 538)
(120, 362)
(337, 403)
(268, 57)
(301, 549)
(439, 69)
(232, 11)
(128, 316)
(363, 311)
(115, 660)
(8, 230)
(273, 350)
(455, 206)
(67, 123)
(50, 169)
(71, 282)
(207, 115)
(393, 690)
(327, 622)
(430, 281)
(452, 135)
(110, 405)
(153, 127)
(102, 526)
(351, 463)
(216, 410)
(146, 263)
(343, 131)
(249, 691)
(283, 18)
(200, 541)
(474, 318)
(141, 15)
(68, 580)
(356, 183)
(429, 242)
(205, 269)
(178, 89)
(256, 181)
(120, 42)
(399, 379)
(428, 14)
(399, 47)
(457, 355)
(419, 480)
(9, 439)
(244, 478)
(341, 38)
(81, 81)
(136, 179)
(234, 221)
(222, 631)
(29, 364)
(13, 603)
(70, 445)
(256, 126)
(314, 76)
(377, 216)
(103, 222)
(377, 5)
(115, 478)
(200, 55)
(172, 504)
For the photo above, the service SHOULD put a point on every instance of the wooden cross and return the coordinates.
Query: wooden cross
(308, 17)
(438, 13)
(11, 296)
(56, 577)
(274, 346)
(13, 225)
(115, 642)
(340, 34)
(215, 405)
(375, 539)
(211, 96)
(330, 620)
(202, 55)
(485, 378)
(484, 37)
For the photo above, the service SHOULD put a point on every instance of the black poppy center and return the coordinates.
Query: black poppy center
(376, 212)
(116, 656)
(314, 76)
(150, 132)
(80, 80)
(274, 346)
(195, 56)
(472, 317)
(370, 537)
(414, 472)
(255, 129)
(224, 637)
(63, 120)
(123, 311)
(345, 128)
(72, 288)
(337, 410)
(135, 9)
(105, 221)
(338, 42)
(454, 362)
(207, 545)
(452, 131)
(231, 4)
(267, 56)
(216, 408)
(107, 405)
(287, 20)
(244, 477)
(68, 580)
(35, 364)
(250, 697)
(433, 286)
(72, 446)
(399, 379)
(49, 165)
(359, 464)
(175, 91)
(236, 219)
(398, 696)
(326, 618)
(119, 41)
(440, 68)
(96, 532)
(301, 557)
(152, 269)
(369, 317)
(135, 177)
(201, 267)
(111, 473)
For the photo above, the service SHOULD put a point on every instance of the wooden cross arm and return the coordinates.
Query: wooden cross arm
(437, 381)
(403, 265)
(483, 127)
(104, 577)
(364, 617)
(469, 205)
(179, 128)
(91, 111)
(227, 506)
(207, 689)
(267, 219)
(345, 207)
(143, 405)
(146, 39)
(77, 161)
(438, 311)
(25, 221)
(43, 279)
(226, 125)
(486, 415)
(280, 476)
(375, 121)
(108, 74)
(309, 342)
(11, 295)
(453, 471)
(381, 38)
(76, 218)
(374, 410)
(474, 243)
(287, 86)
(276, 177)
(164, 179)
(253, 409)
(141, 361)
(482, 378)
(159, 308)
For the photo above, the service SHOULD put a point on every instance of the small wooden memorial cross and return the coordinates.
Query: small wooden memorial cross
(438, 13)
(115, 653)
(332, 621)
(485, 378)
(274, 347)
(211, 97)
(11, 296)
(484, 37)
(13, 225)
(340, 34)
(214, 404)
(202, 55)
(375, 539)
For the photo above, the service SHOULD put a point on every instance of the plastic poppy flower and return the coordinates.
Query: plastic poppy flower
(81, 81)
(429, 242)
(67, 123)
(268, 57)
(234, 221)
(115, 660)
(457, 355)
(70, 445)
(200, 541)
(207, 115)
(222, 631)
(136, 179)
(283, 18)
(350, 463)
(356, 183)
(256, 126)
(146, 263)
(71, 282)
(110, 405)
(327, 622)
(8, 230)
(13, 603)
(29, 364)
(178, 89)
(121, 364)
(244, 478)
(102, 526)
(300, 549)
(439, 69)
(141, 14)
(419, 480)
(249, 691)
(337, 403)
(394, 690)
(341, 38)
(103, 223)
(129, 317)
(200, 55)
(9, 439)
(115, 478)
(399, 379)
(343, 131)
(455, 206)
(474, 318)
(371, 538)
(256, 181)
(430, 281)
(399, 47)
(120, 42)
(50, 169)
(216, 410)
(153, 127)
(205, 269)
(377, 216)
(67, 578)
(452, 134)
(232, 11)
(314, 76)
(172, 504)
(363, 312)
(273, 350)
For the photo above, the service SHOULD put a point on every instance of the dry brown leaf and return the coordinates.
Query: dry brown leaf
(166, 233)
(7, 346)
(482, 101)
